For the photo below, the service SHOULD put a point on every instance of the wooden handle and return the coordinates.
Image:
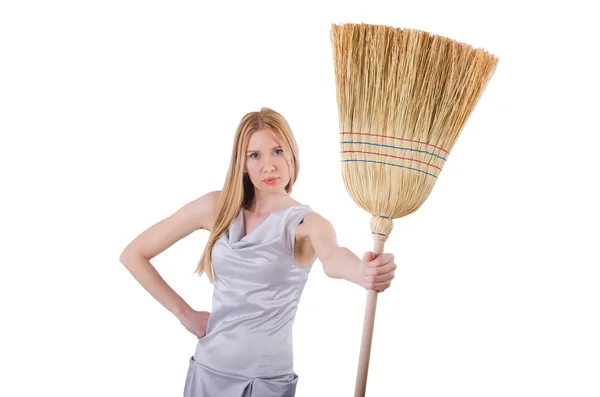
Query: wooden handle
(367, 335)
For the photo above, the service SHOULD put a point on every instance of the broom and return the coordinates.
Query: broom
(403, 97)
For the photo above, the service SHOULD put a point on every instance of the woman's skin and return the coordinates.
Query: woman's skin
(315, 236)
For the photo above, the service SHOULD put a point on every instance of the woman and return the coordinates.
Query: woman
(261, 247)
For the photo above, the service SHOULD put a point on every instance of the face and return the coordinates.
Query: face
(266, 164)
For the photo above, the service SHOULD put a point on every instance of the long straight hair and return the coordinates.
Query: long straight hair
(238, 189)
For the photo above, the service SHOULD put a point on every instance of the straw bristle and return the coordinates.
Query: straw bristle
(403, 98)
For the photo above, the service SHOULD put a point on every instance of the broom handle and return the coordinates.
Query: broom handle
(367, 335)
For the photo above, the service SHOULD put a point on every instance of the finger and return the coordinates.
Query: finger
(368, 256)
(381, 260)
(377, 285)
(371, 271)
(381, 278)
(380, 287)
(386, 258)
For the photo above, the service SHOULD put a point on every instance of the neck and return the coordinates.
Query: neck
(265, 203)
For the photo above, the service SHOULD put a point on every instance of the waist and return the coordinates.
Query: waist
(249, 354)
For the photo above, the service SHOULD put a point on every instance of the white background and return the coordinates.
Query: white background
(114, 114)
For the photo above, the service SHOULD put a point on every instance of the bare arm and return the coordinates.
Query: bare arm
(369, 272)
(136, 256)
(338, 262)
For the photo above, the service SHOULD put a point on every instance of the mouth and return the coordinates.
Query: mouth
(270, 180)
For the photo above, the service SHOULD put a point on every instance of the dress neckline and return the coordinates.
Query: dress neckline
(243, 234)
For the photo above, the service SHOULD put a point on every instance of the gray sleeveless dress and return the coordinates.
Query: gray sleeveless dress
(247, 350)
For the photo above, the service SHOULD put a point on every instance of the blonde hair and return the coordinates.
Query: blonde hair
(238, 189)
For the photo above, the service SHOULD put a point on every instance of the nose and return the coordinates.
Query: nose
(268, 165)
(268, 168)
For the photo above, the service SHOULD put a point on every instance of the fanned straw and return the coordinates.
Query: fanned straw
(403, 98)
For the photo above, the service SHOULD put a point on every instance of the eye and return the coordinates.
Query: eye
(278, 151)
(253, 155)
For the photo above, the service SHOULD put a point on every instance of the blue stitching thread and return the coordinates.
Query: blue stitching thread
(395, 165)
(396, 147)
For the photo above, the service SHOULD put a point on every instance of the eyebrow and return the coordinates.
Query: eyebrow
(252, 151)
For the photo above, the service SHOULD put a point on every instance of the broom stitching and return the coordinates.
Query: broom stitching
(395, 165)
(394, 147)
(393, 137)
(389, 155)
(382, 216)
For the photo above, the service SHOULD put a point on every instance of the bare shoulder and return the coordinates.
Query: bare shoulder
(200, 212)
(195, 215)
(316, 234)
(313, 222)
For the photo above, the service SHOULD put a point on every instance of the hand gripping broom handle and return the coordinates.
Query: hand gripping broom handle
(367, 335)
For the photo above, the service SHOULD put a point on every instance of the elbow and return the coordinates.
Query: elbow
(131, 251)
(123, 257)
(334, 260)
(327, 269)
(126, 256)
(330, 260)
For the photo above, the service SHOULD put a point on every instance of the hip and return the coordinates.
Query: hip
(204, 381)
